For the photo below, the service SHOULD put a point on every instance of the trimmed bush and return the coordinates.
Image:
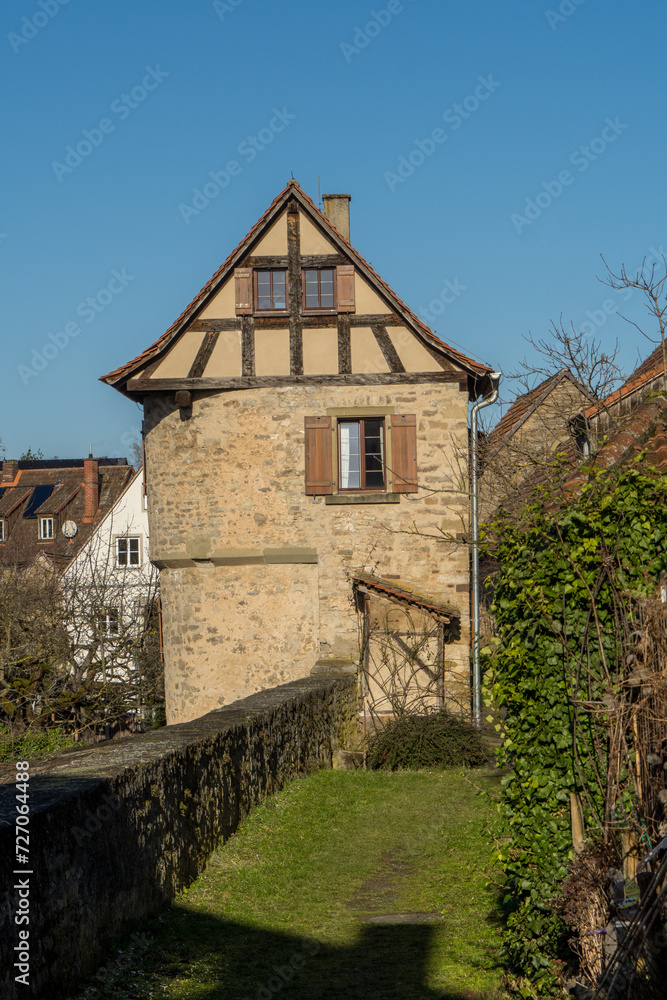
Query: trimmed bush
(432, 741)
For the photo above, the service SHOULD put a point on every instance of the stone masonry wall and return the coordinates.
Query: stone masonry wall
(118, 829)
(253, 571)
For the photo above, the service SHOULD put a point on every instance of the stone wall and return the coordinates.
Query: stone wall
(255, 573)
(118, 829)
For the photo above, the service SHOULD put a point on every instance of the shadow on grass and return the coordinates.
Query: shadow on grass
(183, 954)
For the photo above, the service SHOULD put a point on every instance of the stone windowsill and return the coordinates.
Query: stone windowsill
(345, 498)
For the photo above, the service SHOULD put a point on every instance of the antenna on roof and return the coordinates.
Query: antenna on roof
(319, 197)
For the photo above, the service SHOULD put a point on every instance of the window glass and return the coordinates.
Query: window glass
(45, 528)
(279, 289)
(263, 289)
(361, 454)
(326, 289)
(271, 290)
(319, 288)
(128, 552)
(349, 455)
(374, 453)
(312, 289)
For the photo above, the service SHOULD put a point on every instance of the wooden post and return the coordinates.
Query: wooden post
(577, 824)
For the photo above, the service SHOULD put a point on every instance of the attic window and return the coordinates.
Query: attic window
(271, 290)
(319, 288)
(45, 529)
(128, 552)
(2, 531)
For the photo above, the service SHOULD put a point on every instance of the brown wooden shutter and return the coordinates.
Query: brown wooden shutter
(404, 453)
(243, 288)
(345, 287)
(319, 478)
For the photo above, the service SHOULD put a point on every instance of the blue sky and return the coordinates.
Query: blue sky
(575, 86)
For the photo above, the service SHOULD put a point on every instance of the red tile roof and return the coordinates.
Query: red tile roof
(643, 435)
(291, 190)
(21, 545)
(650, 369)
(405, 595)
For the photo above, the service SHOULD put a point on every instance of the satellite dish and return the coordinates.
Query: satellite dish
(69, 529)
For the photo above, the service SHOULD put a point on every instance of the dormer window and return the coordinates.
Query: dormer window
(45, 529)
(3, 530)
(271, 290)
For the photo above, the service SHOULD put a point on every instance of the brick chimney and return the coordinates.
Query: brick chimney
(337, 211)
(90, 489)
(9, 469)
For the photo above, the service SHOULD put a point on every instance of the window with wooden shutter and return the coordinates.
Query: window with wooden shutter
(319, 479)
(404, 453)
(243, 290)
(345, 283)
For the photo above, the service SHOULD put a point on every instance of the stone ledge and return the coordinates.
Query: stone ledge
(236, 557)
(347, 498)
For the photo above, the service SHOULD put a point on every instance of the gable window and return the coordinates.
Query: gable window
(364, 454)
(361, 454)
(128, 551)
(271, 290)
(319, 288)
(45, 529)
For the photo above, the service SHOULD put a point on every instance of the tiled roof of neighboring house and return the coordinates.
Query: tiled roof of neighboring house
(407, 596)
(291, 190)
(643, 434)
(524, 406)
(54, 489)
(649, 370)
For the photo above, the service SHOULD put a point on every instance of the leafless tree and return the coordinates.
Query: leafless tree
(79, 650)
(650, 280)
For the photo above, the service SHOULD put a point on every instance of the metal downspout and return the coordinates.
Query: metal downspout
(474, 517)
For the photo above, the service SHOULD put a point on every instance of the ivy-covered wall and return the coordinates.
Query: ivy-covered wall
(570, 572)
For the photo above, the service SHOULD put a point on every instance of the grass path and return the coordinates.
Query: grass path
(316, 897)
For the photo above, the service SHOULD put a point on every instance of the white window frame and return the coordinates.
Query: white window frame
(128, 539)
(47, 529)
(108, 621)
(3, 536)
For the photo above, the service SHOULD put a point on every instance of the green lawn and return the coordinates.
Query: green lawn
(314, 898)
